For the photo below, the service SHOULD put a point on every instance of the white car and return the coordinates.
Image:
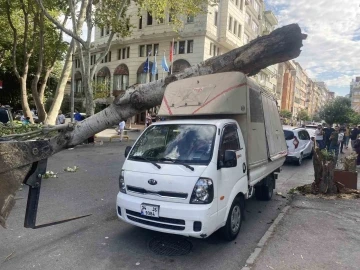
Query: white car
(299, 144)
(311, 129)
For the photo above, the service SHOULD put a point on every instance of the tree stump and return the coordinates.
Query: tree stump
(324, 167)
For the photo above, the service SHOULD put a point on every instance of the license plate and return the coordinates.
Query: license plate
(149, 210)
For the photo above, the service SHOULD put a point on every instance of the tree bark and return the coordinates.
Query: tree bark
(283, 44)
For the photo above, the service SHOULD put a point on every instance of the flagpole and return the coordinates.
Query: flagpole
(163, 68)
(172, 53)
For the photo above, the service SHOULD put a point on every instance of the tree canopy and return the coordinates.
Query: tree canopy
(285, 114)
(337, 111)
(303, 115)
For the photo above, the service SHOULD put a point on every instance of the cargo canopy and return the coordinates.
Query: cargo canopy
(223, 93)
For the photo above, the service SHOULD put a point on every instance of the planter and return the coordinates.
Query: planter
(348, 179)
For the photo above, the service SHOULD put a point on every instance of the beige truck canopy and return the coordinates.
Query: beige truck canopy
(231, 95)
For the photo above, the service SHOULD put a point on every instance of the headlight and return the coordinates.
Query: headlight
(203, 192)
(122, 185)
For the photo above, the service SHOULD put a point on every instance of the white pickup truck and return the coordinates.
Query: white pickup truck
(190, 175)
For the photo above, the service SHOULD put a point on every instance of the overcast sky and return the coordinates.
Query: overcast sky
(331, 52)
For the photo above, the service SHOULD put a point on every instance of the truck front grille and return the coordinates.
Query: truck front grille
(166, 194)
(160, 222)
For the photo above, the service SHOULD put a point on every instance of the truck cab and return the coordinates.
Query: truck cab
(190, 175)
(182, 177)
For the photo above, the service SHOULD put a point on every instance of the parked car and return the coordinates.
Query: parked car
(311, 129)
(299, 144)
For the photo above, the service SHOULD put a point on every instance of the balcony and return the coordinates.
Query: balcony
(270, 16)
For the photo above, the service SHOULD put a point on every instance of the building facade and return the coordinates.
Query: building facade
(226, 26)
(355, 94)
(286, 84)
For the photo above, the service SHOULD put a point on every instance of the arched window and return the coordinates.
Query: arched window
(145, 77)
(179, 65)
(121, 77)
(103, 78)
(78, 82)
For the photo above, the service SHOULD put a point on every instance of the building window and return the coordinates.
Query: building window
(190, 19)
(171, 13)
(109, 56)
(235, 27)
(211, 45)
(119, 54)
(239, 31)
(215, 18)
(77, 63)
(230, 23)
(237, 2)
(108, 30)
(256, 6)
(142, 50)
(93, 59)
(218, 51)
(255, 27)
(156, 48)
(241, 4)
(149, 19)
(101, 31)
(148, 49)
(140, 22)
(128, 52)
(246, 39)
(190, 46)
(181, 47)
(247, 18)
(121, 82)
(123, 53)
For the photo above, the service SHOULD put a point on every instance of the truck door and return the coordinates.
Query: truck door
(231, 139)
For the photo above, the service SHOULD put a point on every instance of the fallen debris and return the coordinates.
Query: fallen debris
(73, 169)
(9, 256)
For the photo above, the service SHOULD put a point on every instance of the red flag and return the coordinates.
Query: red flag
(171, 51)
(1, 84)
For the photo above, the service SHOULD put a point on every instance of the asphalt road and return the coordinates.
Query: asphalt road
(101, 241)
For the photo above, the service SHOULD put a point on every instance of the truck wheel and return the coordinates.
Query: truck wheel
(234, 220)
(265, 192)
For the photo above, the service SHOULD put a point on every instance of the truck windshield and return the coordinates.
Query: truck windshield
(185, 143)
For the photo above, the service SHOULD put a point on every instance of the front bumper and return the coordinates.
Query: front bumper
(174, 218)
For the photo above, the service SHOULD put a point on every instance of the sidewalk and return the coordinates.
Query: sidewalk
(133, 133)
(315, 234)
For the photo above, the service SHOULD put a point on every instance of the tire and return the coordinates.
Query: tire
(311, 154)
(234, 220)
(299, 161)
(265, 193)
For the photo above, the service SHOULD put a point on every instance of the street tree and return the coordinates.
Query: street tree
(36, 46)
(303, 115)
(316, 118)
(112, 15)
(337, 111)
(285, 114)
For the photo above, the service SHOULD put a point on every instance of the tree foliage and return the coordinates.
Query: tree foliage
(285, 114)
(337, 111)
(303, 115)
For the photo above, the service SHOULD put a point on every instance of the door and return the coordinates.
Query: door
(304, 141)
(231, 139)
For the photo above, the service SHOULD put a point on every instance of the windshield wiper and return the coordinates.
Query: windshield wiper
(148, 160)
(177, 162)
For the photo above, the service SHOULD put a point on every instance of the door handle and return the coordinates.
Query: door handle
(244, 167)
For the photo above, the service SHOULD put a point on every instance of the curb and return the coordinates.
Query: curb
(253, 256)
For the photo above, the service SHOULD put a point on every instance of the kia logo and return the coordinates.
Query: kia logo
(152, 182)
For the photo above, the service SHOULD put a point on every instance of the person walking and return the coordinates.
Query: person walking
(60, 119)
(347, 136)
(319, 137)
(148, 119)
(356, 148)
(121, 129)
(353, 136)
(341, 139)
(328, 131)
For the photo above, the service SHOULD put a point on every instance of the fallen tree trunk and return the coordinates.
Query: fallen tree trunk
(281, 45)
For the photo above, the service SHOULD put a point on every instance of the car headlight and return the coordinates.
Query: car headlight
(122, 185)
(203, 192)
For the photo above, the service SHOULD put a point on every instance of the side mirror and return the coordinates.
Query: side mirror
(127, 150)
(230, 159)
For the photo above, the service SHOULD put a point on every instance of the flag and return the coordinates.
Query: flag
(146, 65)
(154, 67)
(164, 64)
(1, 84)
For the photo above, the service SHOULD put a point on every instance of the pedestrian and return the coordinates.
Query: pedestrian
(319, 137)
(26, 121)
(328, 131)
(341, 139)
(148, 119)
(346, 136)
(356, 148)
(121, 129)
(77, 116)
(334, 143)
(353, 135)
(60, 119)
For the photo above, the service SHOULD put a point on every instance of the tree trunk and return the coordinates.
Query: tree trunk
(324, 174)
(24, 99)
(60, 89)
(283, 44)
